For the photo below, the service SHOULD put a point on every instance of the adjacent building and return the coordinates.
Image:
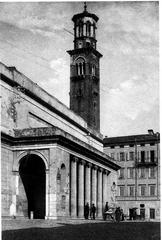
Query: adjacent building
(138, 184)
(52, 159)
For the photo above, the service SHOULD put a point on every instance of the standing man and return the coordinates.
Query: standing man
(86, 210)
(117, 214)
(105, 210)
(93, 211)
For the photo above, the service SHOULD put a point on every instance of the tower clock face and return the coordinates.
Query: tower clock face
(80, 44)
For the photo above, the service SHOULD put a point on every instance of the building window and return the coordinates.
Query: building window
(152, 213)
(63, 178)
(131, 191)
(142, 190)
(80, 67)
(93, 70)
(142, 172)
(121, 156)
(88, 28)
(152, 156)
(121, 173)
(131, 173)
(152, 172)
(131, 156)
(142, 144)
(112, 155)
(152, 144)
(147, 156)
(142, 156)
(121, 191)
(94, 106)
(152, 190)
(80, 29)
(121, 146)
(131, 145)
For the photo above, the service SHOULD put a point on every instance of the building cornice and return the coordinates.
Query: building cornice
(133, 139)
(55, 135)
(86, 50)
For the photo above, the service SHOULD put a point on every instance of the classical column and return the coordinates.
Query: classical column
(74, 186)
(81, 189)
(94, 184)
(99, 193)
(88, 183)
(109, 182)
(47, 195)
(105, 187)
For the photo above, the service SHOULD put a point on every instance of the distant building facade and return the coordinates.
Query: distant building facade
(52, 159)
(138, 184)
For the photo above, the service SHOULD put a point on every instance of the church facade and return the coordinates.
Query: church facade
(52, 159)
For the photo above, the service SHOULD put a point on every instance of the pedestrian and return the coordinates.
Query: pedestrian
(93, 211)
(86, 210)
(122, 215)
(117, 214)
(134, 214)
(105, 210)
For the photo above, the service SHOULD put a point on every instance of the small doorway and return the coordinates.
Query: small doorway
(33, 177)
(142, 213)
(152, 213)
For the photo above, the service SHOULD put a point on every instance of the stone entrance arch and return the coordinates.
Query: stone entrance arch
(32, 186)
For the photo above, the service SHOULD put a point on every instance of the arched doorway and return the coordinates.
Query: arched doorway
(32, 174)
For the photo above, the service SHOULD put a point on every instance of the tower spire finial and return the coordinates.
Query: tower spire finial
(85, 6)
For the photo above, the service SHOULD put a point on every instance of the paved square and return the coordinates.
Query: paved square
(79, 230)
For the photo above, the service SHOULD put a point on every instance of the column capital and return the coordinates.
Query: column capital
(82, 162)
(95, 167)
(106, 172)
(75, 159)
(101, 169)
(89, 164)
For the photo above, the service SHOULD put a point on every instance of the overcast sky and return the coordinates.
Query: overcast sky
(34, 40)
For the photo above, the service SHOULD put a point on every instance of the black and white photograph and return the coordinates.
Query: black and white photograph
(80, 120)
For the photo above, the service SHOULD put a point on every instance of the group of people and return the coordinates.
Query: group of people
(115, 214)
(119, 215)
(89, 211)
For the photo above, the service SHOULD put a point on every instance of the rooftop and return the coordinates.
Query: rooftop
(132, 139)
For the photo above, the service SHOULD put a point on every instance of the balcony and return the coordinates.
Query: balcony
(146, 164)
(136, 198)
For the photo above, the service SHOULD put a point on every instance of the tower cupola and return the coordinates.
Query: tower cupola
(85, 29)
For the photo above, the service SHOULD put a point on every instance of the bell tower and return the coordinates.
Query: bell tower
(85, 69)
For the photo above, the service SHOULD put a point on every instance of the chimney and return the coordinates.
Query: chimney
(150, 132)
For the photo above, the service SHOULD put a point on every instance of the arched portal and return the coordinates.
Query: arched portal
(33, 176)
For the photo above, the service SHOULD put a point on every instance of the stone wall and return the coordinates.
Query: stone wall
(7, 179)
